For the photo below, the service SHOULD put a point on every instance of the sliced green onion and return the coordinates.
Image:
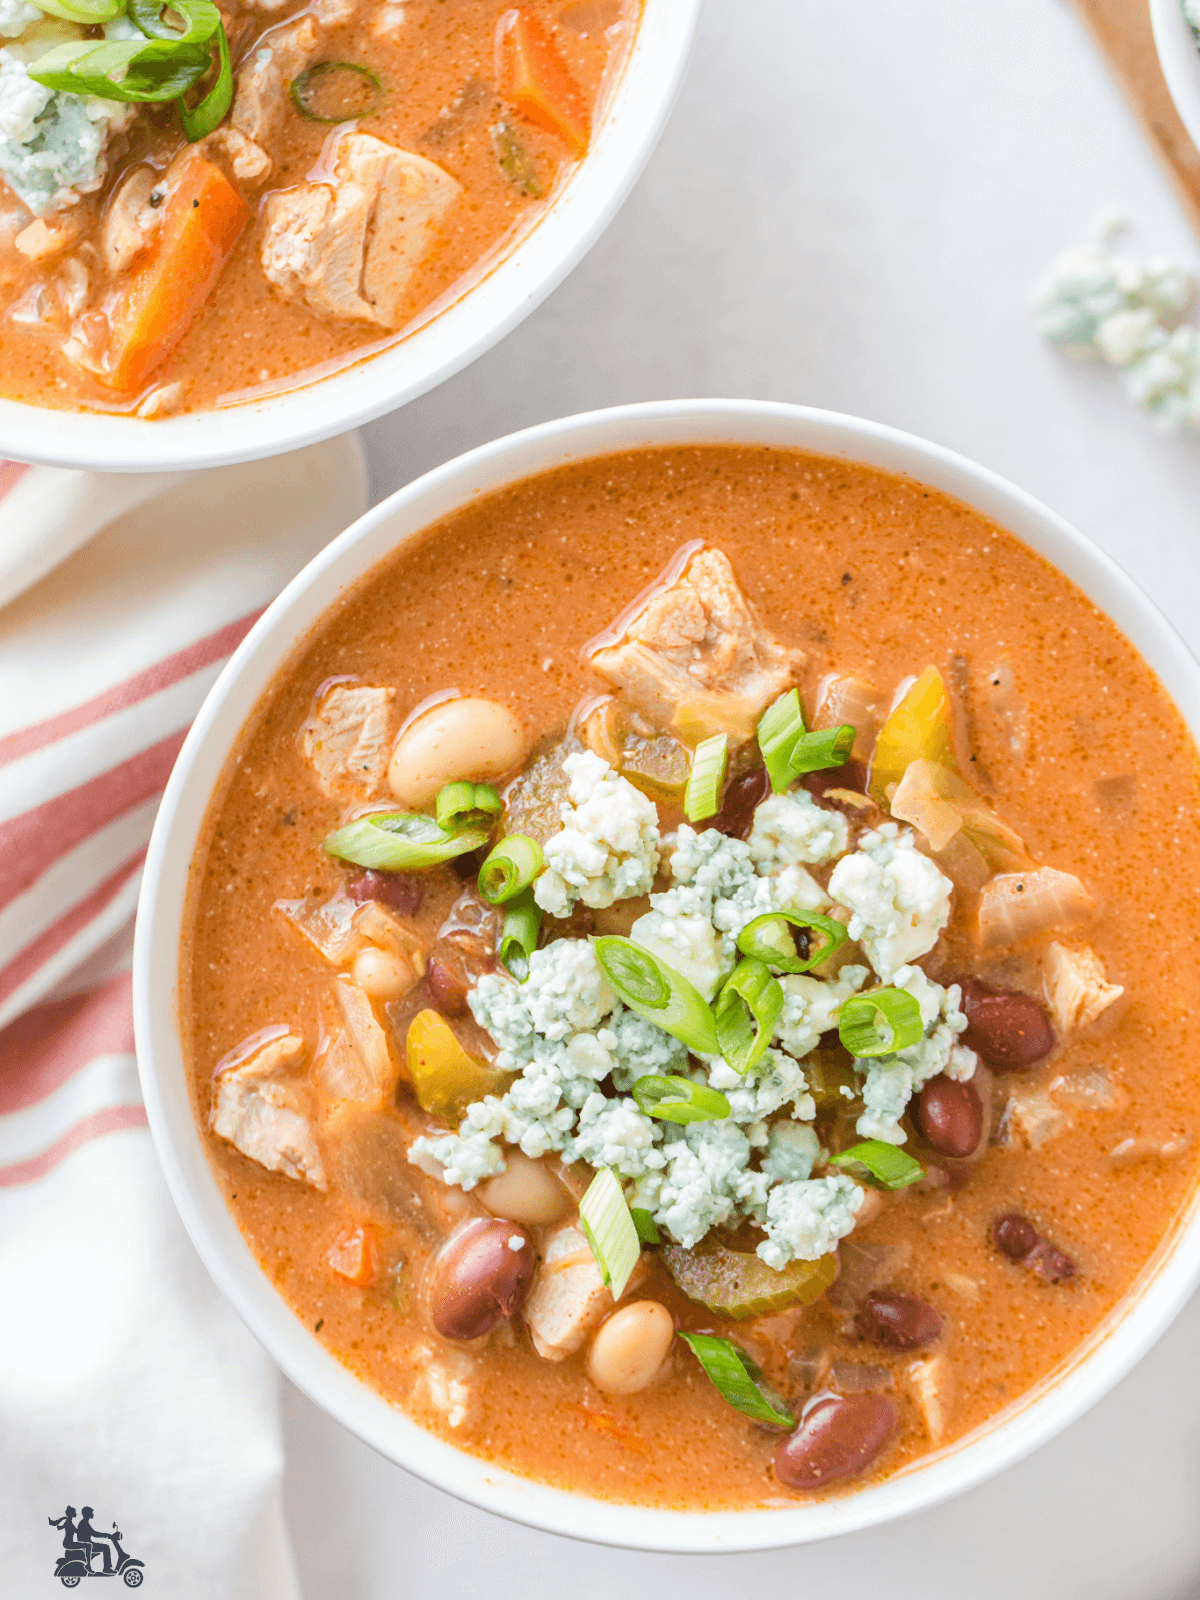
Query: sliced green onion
(304, 85)
(826, 747)
(658, 993)
(738, 1379)
(128, 70)
(679, 1100)
(747, 1009)
(201, 19)
(882, 1163)
(643, 1221)
(880, 1022)
(702, 797)
(516, 163)
(768, 939)
(92, 13)
(519, 935)
(200, 120)
(401, 841)
(778, 729)
(610, 1230)
(466, 805)
(511, 867)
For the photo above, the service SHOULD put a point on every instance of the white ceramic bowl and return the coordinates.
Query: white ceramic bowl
(634, 117)
(1105, 1358)
(1179, 57)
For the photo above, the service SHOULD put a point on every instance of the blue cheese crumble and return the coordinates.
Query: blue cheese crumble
(608, 847)
(792, 828)
(891, 1081)
(805, 1220)
(898, 899)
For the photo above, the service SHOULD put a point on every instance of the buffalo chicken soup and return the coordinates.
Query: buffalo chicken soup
(676, 987)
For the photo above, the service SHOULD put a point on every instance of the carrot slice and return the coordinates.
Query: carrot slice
(533, 78)
(202, 222)
(353, 1257)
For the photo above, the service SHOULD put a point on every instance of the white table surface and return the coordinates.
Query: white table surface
(847, 210)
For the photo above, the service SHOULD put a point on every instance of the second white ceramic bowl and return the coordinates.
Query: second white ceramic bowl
(1097, 1366)
(634, 117)
(1179, 56)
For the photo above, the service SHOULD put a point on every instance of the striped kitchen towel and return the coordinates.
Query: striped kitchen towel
(126, 1383)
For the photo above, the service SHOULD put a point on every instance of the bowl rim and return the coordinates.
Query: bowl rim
(523, 273)
(1179, 57)
(1104, 1358)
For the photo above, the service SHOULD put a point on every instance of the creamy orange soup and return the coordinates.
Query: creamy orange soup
(1033, 786)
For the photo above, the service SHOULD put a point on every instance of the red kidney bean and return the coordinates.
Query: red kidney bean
(851, 775)
(899, 1321)
(1017, 1238)
(950, 1115)
(839, 1435)
(738, 804)
(477, 1280)
(1010, 1030)
(447, 991)
(467, 866)
(399, 890)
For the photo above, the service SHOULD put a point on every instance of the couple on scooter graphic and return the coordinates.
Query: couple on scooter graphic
(82, 1544)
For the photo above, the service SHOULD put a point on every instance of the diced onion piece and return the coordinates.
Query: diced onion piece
(658, 993)
(938, 802)
(673, 1099)
(880, 1022)
(1021, 905)
(767, 939)
(519, 935)
(610, 1230)
(647, 1230)
(738, 1379)
(882, 1163)
(747, 1009)
(919, 728)
(446, 1079)
(702, 797)
(779, 728)
(855, 701)
(511, 868)
(401, 841)
(466, 805)
(738, 1284)
(919, 798)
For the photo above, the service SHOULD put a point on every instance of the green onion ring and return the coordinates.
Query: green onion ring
(643, 1221)
(520, 933)
(826, 747)
(674, 1099)
(884, 1164)
(125, 69)
(610, 1230)
(738, 1379)
(702, 797)
(201, 120)
(778, 729)
(879, 1023)
(301, 84)
(756, 939)
(466, 805)
(658, 993)
(91, 13)
(401, 841)
(747, 1009)
(201, 16)
(511, 867)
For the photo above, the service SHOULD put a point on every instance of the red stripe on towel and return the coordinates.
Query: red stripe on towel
(113, 1119)
(51, 1043)
(49, 943)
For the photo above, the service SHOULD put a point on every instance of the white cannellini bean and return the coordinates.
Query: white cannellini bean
(525, 1192)
(463, 738)
(382, 973)
(629, 1349)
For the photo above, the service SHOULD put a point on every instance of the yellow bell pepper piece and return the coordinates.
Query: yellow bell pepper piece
(444, 1076)
(918, 729)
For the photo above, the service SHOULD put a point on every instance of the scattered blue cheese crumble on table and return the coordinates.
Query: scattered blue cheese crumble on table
(564, 1033)
(1128, 313)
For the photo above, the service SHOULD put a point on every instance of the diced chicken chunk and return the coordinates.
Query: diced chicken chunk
(929, 1381)
(346, 739)
(41, 240)
(1076, 987)
(262, 84)
(349, 248)
(695, 658)
(262, 1111)
(247, 161)
(1032, 1116)
(1016, 906)
(131, 221)
(567, 1298)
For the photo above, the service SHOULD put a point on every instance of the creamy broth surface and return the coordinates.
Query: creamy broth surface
(866, 573)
